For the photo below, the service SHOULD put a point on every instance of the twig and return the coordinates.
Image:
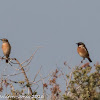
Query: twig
(40, 80)
(16, 73)
(23, 71)
(69, 80)
(30, 58)
(26, 78)
(37, 74)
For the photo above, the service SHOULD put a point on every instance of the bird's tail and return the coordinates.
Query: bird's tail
(89, 59)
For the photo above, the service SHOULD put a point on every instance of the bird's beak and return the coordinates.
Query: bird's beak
(76, 43)
(1, 39)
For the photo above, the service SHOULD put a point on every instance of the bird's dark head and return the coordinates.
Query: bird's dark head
(80, 43)
(4, 40)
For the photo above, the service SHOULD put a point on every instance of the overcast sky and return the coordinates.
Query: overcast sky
(57, 25)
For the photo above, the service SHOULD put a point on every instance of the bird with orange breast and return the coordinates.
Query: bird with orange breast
(82, 51)
(6, 48)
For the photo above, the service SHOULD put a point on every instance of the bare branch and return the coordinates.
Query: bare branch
(37, 74)
(30, 59)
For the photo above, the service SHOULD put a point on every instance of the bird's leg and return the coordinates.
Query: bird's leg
(82, 60)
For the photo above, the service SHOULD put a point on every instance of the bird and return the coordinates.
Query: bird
(82, 51)
(6, 48)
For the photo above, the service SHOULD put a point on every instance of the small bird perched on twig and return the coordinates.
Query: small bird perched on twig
(82, 51)
(6, 48)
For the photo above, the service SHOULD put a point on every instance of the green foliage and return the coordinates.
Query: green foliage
(85, 85)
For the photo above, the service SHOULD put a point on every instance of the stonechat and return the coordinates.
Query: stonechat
(82, 51)
(6, 48)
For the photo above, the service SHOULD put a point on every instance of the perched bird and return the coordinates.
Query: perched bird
(6, 48)
(82, 51)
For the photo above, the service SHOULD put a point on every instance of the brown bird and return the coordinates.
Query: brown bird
(6, 48)
(82, 51)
